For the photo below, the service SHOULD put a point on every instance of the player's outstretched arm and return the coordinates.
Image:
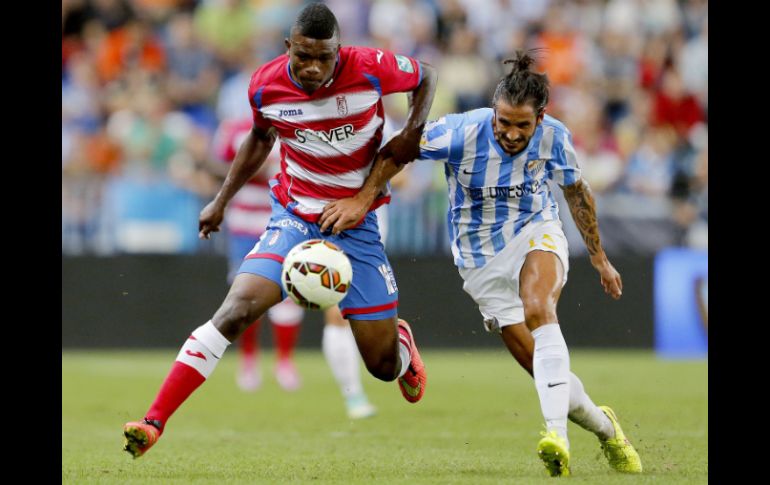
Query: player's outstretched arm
(583, 208)
(250, 157)
(405, 146)
(401, 149)
(345, 213)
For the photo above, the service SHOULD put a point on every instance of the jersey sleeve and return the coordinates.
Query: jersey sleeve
(563, 167)
(435, 140)
(389, 72)
(256, 87)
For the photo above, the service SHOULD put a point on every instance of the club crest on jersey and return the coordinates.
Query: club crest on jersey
(535, 166)
(342, 106)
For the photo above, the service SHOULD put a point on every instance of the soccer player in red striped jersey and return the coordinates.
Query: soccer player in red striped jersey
(324, 103)
(246, 218)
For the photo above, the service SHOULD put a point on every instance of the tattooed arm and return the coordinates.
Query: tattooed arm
(581, 205)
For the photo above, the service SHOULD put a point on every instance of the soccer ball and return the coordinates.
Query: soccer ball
(316, 274)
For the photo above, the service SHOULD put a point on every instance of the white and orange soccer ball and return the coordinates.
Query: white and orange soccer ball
(316, 274)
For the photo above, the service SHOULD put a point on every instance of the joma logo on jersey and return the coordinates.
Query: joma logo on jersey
(335, 135)
(290, 112)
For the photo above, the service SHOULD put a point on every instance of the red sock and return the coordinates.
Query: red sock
(181, 381)
(285, 338)
(249, 341)
(194, 363)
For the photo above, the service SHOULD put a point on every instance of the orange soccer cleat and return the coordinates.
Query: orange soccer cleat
(413, 382)
(140, 436)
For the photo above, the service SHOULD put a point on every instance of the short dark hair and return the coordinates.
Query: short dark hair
(317, 22)
(522, 84)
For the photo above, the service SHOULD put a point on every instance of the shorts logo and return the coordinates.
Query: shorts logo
(404, 64)
(292, 223)
(390, 280)
(342, 106)
(274, 238)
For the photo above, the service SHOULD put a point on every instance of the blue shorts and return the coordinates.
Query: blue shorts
(238, 246)
(373, 294)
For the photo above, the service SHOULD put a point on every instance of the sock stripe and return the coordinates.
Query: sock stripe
(405, 341)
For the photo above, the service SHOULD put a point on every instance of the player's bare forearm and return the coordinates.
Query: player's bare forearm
(382, 171)
(583, 208)
(405, 146)
(345, 213)
(250, 157)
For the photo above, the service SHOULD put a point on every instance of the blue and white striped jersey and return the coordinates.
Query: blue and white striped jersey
(492, 195)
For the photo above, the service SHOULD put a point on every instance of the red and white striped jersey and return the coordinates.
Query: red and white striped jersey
(249, 210)
(329, 138)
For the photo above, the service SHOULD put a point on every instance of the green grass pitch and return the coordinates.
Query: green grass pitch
(477, 424)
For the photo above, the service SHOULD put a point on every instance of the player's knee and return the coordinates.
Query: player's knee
(539, 312)
(383, 366)
(235, 314)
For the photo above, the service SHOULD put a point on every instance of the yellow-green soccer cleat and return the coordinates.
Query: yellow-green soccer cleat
(618, 450)
(552, 449)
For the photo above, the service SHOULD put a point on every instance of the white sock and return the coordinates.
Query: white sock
(404, 353)
(203, 349)
(341, 352)
(552, 376)
(586, 414)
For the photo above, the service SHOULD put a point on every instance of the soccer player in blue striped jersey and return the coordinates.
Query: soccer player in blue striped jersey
(509, 246)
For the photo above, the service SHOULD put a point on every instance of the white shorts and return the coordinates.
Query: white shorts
(495, 286)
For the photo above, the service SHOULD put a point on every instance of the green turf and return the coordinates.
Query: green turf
(478, 423)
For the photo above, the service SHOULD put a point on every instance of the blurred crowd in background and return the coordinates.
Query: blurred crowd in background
(145, 84)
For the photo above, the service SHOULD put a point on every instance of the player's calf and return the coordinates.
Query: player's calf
(377, 343)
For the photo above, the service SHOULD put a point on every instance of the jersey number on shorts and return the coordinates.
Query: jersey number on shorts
(546, 241)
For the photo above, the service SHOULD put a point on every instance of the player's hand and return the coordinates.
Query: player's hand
(610, 277)
(343, 214)
(403, 148)
(210, 218)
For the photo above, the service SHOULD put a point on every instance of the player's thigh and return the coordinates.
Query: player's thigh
(540, 284)
(544, 255)
(283, 232)
(543, 272)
